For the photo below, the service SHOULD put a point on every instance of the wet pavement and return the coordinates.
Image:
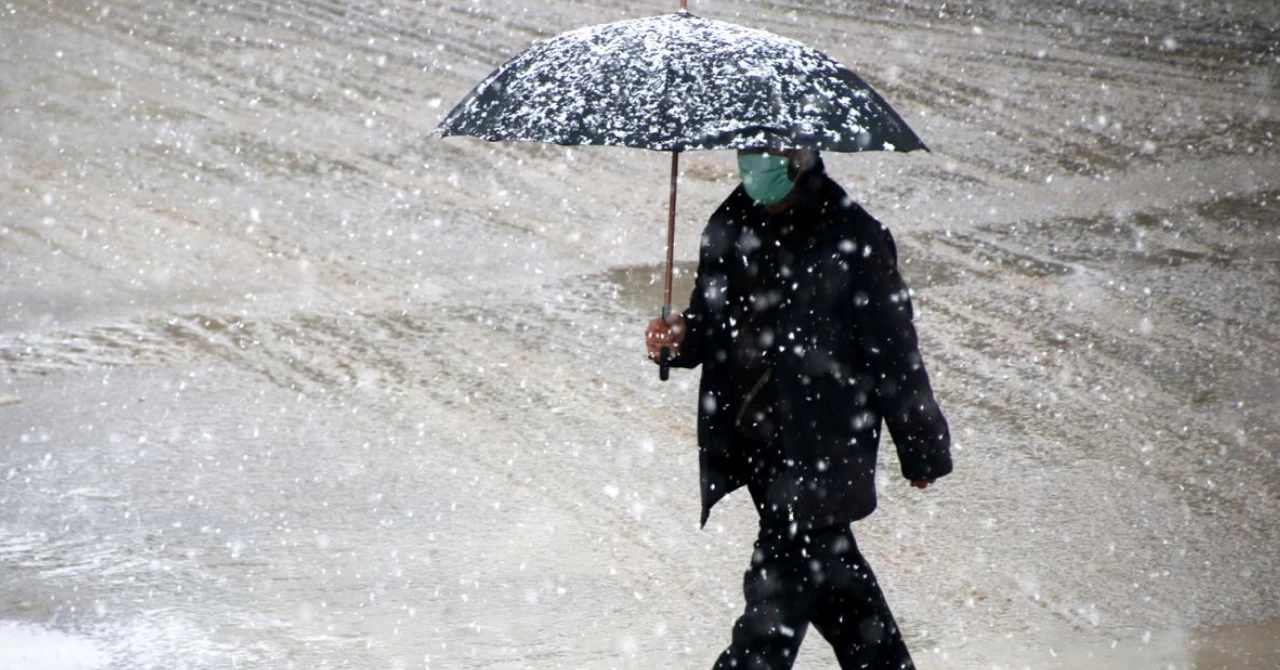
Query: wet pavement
(285, 382)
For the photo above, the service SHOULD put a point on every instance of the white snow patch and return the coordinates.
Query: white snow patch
(27, 647)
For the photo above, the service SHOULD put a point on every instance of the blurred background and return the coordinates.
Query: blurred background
(287, 382)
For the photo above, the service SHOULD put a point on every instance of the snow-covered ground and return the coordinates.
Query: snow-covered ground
(286, 382)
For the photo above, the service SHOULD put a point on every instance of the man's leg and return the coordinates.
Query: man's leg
(851, 612)
(768, 634)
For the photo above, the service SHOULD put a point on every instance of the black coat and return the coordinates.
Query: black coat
(845, 354)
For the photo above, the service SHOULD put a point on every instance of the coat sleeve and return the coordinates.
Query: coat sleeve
(902, 396)
(694, 321)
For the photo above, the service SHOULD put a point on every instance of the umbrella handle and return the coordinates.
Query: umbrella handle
(664, 354)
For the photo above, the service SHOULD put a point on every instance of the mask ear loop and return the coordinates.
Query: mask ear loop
(799, 162)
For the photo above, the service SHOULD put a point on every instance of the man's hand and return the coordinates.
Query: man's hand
(922, 483)
(669, 333)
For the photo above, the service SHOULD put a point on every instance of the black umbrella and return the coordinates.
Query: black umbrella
(675, 83)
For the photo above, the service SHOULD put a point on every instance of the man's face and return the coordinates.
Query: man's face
(766, 174)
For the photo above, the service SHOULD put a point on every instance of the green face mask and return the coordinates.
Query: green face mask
(765, 177)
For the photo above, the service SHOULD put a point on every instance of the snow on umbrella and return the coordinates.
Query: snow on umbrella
(679, 82)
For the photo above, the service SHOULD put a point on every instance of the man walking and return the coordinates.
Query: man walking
(803, 328)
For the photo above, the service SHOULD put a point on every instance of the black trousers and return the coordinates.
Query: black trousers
(817, 577)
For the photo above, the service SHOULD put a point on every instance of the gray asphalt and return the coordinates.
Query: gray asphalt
(286, 382)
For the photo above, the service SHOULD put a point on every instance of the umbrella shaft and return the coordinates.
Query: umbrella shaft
(671, 232)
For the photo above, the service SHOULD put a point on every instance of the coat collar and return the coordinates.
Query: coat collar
(816, 199)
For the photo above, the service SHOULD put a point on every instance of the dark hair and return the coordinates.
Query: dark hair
(802, 161)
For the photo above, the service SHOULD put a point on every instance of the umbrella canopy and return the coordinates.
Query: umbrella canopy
(679, 82)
